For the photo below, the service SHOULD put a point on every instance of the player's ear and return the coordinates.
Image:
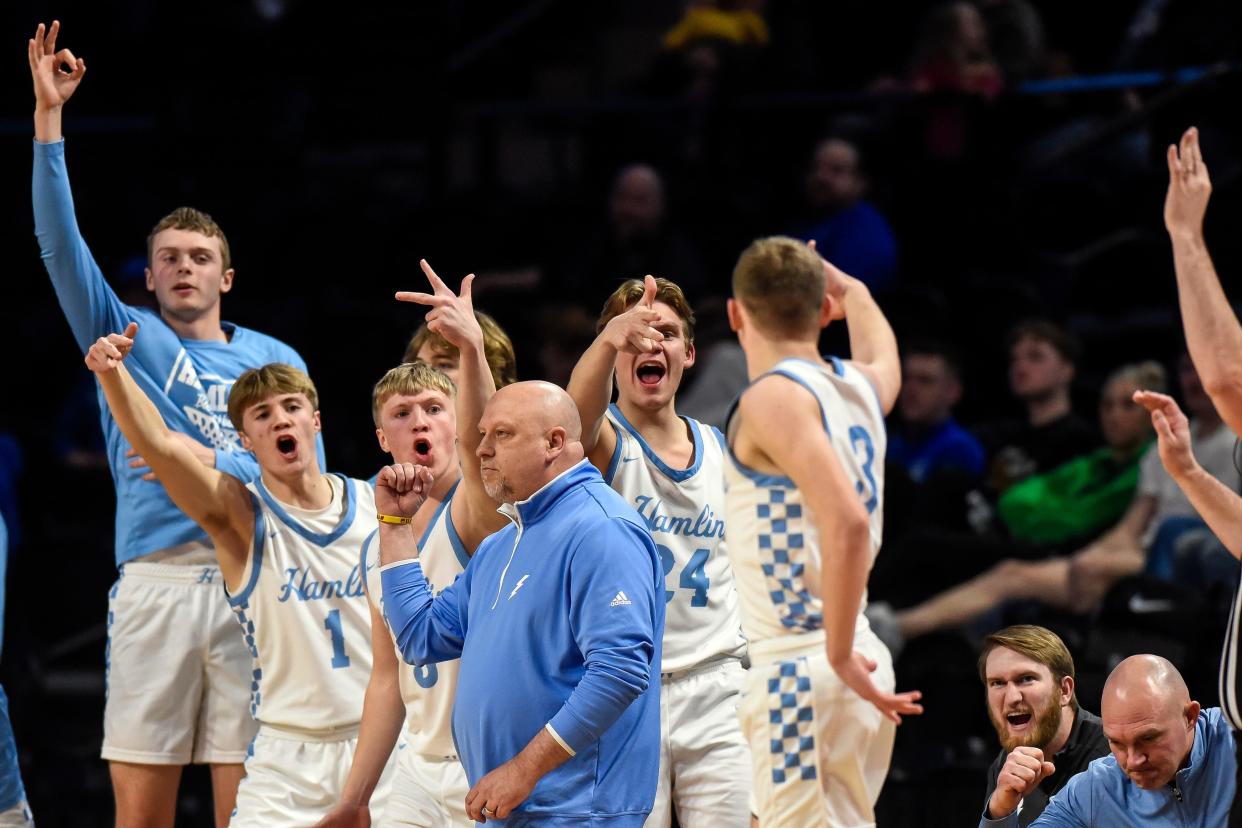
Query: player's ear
(734, 310)
(226, 280)
(383, 440)
(245, 441)
(315, 419)
(150, 277)
(830, 309)
(689, 355)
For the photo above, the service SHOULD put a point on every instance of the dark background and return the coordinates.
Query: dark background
(337, 144)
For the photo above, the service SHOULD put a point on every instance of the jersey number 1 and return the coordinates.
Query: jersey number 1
(333, 625)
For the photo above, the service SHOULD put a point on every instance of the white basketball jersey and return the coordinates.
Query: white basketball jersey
(428, 692)
(684, 511)
(303, 609)
(773, 544)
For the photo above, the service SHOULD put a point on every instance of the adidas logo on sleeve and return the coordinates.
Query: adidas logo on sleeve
(620, 600)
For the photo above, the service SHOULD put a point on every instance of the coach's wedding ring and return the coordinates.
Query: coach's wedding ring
(487, 812)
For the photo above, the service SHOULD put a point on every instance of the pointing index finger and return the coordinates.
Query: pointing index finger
(437, 284)
(416, 296)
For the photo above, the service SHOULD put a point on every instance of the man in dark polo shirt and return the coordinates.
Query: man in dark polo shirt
(1029, 677)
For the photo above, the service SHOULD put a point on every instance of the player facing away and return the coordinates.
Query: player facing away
(422, 418)
(804, 505)
(288, 545)
(670, 469)
(178, 673)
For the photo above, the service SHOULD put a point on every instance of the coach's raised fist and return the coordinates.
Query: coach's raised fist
(1022, 772)
(108, 351)
(401, 488)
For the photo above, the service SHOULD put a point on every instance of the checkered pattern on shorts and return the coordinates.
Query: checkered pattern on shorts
(783, 546)
(792, 722)
(256, 675)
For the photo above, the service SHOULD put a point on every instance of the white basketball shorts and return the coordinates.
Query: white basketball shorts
(427, 792)
(820, 752)
(293, 779)
(705, 774)
(178, 672)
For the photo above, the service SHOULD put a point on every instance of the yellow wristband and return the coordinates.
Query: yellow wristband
(400, 521)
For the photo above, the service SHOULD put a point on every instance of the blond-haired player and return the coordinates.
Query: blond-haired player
(805, 500)
(422, 418)
(288, 546)
(670, 469)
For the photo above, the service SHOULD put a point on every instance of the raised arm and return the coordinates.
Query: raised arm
(218, 503)
(1213, 335)
(452, 317)
(772, 409)
(1218, 505)
(873, 346)
(52, 84)
(89, 303)
(426, 628)
(590, 385)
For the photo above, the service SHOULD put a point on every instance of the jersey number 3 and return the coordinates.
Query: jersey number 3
(860, 441)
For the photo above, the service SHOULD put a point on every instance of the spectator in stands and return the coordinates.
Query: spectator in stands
(1016, 37)
(711, 49)
(1174, 530)
(953, 54)
(927, 440)
(846, 228)
(638, 238)
(1042, 359)
(953, 62)
(1028, 674)
(1045, 514)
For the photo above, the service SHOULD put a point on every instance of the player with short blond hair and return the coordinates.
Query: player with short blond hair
(287, 545)
(422, 418)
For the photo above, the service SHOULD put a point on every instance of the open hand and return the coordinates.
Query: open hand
(401, 489)
(1189, 187)
(52, 84)
(451, 316)
(108, 351)
(632, 332)
(1172, 432)
(856, 673)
